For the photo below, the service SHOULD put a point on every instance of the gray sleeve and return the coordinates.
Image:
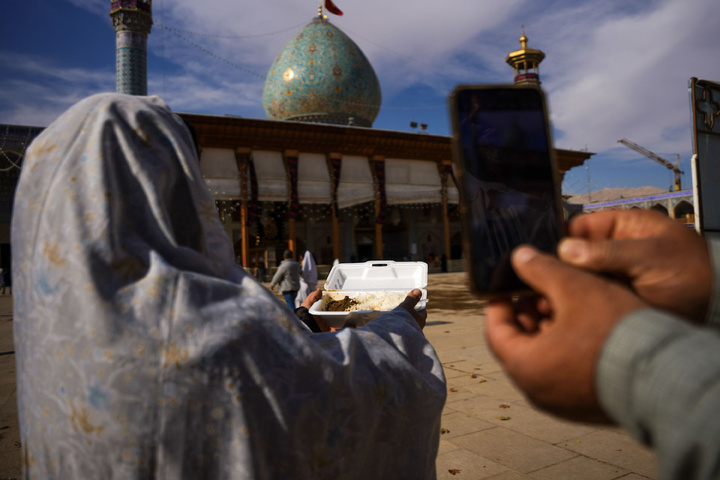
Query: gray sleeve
(713, 316)
(659, 377)
(279, 274)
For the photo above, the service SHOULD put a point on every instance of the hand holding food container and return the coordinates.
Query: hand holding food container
(355, 293)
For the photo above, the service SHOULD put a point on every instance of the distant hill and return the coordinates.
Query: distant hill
(610, 194)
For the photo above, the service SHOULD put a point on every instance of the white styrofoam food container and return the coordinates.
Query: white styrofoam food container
(376, 275)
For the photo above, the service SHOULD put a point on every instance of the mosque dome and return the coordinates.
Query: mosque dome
(322, 76)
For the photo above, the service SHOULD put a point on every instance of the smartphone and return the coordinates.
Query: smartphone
(508, 181)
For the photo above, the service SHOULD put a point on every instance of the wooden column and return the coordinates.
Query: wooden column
(335, 220)
(292, 238)
(292, 242)
(378, 241)
(242, 158)
(444, 179)
(378, 226)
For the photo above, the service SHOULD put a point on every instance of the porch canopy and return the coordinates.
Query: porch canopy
(219, 169)
(407, 181)
(415, 181)
(313, 179)
(356, 182)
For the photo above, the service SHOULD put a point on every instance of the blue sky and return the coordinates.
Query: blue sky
(613, 69)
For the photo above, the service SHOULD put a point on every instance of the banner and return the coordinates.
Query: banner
(332, 8)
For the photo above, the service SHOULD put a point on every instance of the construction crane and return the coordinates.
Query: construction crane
(670, 166)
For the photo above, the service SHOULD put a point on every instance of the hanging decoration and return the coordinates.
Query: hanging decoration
(294, 203)
(254, 207)
(314, 212)
(336, 166)
(379, 166)
(271, 229)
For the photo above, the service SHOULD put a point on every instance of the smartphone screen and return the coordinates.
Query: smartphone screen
(508, 181)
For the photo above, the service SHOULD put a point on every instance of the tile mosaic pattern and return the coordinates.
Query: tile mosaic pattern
(131, 63)
(322, 76)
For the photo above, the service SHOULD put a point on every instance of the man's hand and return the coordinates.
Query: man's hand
(667, 264)
(321, 323)
(551, 350)
(409, 303)
(312, 298)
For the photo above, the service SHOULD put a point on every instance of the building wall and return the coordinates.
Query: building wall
(417, 223)
(678, 205)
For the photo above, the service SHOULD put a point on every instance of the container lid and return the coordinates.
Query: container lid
(377, 275)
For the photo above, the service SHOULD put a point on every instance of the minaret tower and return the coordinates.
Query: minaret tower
(132, 20)
(525, 63)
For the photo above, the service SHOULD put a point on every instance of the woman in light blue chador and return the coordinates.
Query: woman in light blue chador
(144, 352)
(308, 278)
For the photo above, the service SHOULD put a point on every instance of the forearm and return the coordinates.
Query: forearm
(278, 277)
(306, 317)
(659, 377)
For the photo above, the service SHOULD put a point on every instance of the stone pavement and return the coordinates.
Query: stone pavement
(9, 433)
(491, 431)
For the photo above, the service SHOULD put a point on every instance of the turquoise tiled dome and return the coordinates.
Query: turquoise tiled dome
(322, 76)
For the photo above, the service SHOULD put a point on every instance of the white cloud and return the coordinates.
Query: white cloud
(613, 69)
(628, 77)
(37, 90)
(187, 94)
(99, 8)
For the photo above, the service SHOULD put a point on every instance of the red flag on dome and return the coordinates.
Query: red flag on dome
(332, 8)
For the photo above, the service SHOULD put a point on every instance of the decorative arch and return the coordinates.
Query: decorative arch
(456, 246)
(659, 207)
(684, 210)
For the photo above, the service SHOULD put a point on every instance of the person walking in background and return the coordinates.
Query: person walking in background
(261, 270)
(308, 278)
(287, 278)
(6, 280)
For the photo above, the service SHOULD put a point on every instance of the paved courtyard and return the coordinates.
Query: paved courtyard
(490, 430)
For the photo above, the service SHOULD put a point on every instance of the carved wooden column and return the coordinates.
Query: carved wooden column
(290, 158)
(445, 168)
(334, 162)
(242, 158)
(377, 163)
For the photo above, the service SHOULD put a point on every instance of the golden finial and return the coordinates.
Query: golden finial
(525, 61)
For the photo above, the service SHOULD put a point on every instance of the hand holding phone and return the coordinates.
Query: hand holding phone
(509, 191)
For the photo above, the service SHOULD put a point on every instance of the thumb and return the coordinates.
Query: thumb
(543, 272)
(409, 303)
(504, 337)
(411, 300)
(610, 256)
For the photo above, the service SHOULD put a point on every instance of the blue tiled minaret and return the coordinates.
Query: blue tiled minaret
(132, 20)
